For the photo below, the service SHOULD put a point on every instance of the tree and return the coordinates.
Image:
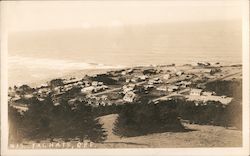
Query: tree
(56, 82)
(43, 120)
(140, 119)
(24, 89)
(84, 124)
(38, 119)
(15, 125)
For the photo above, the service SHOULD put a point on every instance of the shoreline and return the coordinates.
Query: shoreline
(93, 71)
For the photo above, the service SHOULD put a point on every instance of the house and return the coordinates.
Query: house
(99, 83)
(201, 86)
(208, 93)
(94, 83)
(207, 71)
(166, 76)
(183, 84)
(128, 80)
(142, 77)
(72, 101)
(203, 64)
(123, 72)
(129, 71)
(195, 92)
(134, 80)
(162, 88)
(146, 87)
(104, 97)
(149, 71)
(88, 89)
(154, 81)
(127, 88)
(129, 96)
(204, 99)
(172, 88)
(86, 83)
(179, 73)
(28, 96)
(17, 97)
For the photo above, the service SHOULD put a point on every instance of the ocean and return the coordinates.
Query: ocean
(37, 56)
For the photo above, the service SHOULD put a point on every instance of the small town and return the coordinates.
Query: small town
(125, 103)
(128, 85)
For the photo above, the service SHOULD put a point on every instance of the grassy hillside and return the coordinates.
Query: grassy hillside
(198, 136)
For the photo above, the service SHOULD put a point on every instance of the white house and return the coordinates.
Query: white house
(142, 77)
(87, 89)
(162, 88)
(127, 88)
(208, 93)
(195, 91)
(166, 76)
(179, 73)
(129, 96)
(94, 83)
(172, 88)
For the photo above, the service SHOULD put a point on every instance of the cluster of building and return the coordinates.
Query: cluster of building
(130, 80)
(200, 95)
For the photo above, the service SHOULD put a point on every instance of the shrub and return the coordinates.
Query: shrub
(140, 119)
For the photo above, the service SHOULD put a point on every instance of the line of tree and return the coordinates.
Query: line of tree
(139, 119)
(43, 120)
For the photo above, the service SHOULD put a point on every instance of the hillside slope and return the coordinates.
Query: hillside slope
(198, 136)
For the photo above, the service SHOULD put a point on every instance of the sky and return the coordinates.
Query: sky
(47, 15)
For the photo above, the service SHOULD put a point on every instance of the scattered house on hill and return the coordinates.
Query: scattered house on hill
(127, 88)
(86, 83)
(56, 104)
(88, 90)
(129, 96)
(207, 71)
(208, 93)
(204, 99)
(21, 108)
(189, 76)
(15, 98)
(28, 96)
(100, 88)
(179, 73)
(134, 79)
(11, 93)
(94, 83)
(104, 97)
(154, 81)
(72, 101)
(147, 87)
(166, 76)
(172, 88)
(40, 99)
(183, 84)
(196, 92)
(201, 86)
(99, 83)
(56, 82)
(162, 88)
(130, 71)
(149, 71)
(123, 72)
(44, 85)
(142, 77)
(203, 64)
(128, 80)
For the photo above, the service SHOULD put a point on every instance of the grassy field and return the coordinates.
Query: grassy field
(198, 136)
